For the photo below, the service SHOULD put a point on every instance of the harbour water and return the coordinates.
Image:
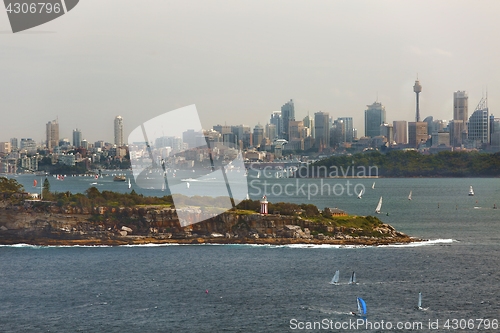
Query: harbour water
(244, 288)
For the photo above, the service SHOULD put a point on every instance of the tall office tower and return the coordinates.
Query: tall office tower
(417, 88)
(349, 128)
(322, 130)
(119, 131)
(258, 134)
(456, 128)
(374, 117)
(417, 133)
(295, 130)
(478, 127)
(495, 131)
(52, 133)
(460, 106)
(458, 131)
(400, 131)
(270, 131)
(277, 121)
(77, 138)
(308, 122)
(14, 145)
(287, 114)
(337, 133)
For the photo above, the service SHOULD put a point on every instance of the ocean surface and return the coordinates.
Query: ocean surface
(245, 288)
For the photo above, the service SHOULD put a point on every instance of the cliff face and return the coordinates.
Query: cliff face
(26, 224)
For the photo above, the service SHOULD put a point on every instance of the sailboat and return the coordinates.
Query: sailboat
(379, 206)
(34, 183)
(471, 191)
(129, 185)
(373, 185)
(361, 307)
(409, 196)
(419, 306)
(335, 279)
(352, 280)
(361, 193)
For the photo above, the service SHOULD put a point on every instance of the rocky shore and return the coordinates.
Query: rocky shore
(38, 224)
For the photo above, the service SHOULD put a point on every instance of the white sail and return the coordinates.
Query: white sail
(373, 185)
(335, 278)
(379, 206)
(361, 193)
(409, 196)
(419, 300)
(352, 280)
(129, 185)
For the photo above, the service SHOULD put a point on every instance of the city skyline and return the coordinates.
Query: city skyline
(69, 69)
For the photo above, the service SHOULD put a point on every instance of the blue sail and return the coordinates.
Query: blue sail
(361, 306)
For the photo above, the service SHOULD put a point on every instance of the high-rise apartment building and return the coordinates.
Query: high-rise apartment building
(77, 138)
(374, 117)
(287, 114)
(119, 131)
(52, 134)
(322, 130)
(270, 132)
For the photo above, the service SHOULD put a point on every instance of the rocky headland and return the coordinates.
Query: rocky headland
(45, 223)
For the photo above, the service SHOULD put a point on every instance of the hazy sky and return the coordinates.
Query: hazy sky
(240, 60)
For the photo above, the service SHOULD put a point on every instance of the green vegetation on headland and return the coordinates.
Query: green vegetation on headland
(400, 163)
(129, 218)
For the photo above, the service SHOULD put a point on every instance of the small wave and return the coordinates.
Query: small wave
(424, 243)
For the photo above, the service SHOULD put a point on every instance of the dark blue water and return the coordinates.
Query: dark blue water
(262, 288)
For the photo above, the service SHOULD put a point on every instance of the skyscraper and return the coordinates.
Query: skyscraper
(287, 114)
(400, 131)
(478, 126)
(460, 106)
(119, 131)
(458, 129)
(417, 133)
(52, 134)
(308, 122)
(417, 88)
(258, 135)
(322, 130)
(374, 117)
(349, 129)
(77, 138)
(277, 121)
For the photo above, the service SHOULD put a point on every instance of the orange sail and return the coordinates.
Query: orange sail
(34, 183)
